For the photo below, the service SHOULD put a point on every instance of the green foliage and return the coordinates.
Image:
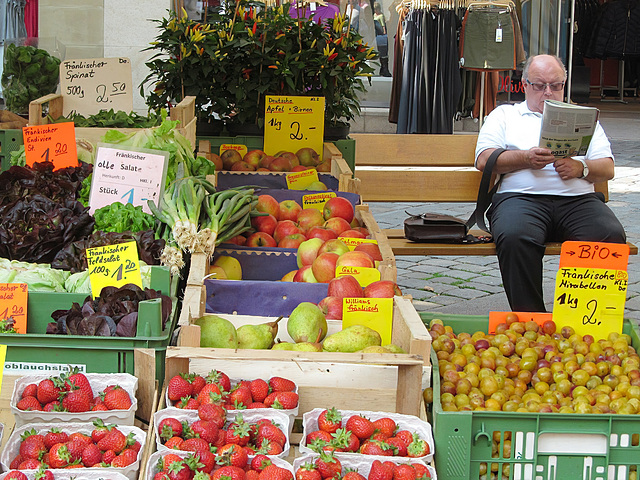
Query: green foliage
(113, 119)
(122, 218)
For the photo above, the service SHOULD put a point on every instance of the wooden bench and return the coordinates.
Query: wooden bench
(426, 168)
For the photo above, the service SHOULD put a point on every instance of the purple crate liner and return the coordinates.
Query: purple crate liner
(227, 180)
(262, 264)
(248, 297)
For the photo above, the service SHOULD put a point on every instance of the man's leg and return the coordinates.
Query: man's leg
(587, 218)
(519, 225)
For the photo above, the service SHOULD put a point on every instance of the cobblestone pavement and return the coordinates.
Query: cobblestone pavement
(472, 285)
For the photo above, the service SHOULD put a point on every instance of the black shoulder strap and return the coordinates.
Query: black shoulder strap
(484, 194)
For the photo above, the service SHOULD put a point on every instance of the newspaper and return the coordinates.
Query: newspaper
(567, 129)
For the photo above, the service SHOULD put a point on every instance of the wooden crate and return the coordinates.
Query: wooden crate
(339, 167)
(184, 112)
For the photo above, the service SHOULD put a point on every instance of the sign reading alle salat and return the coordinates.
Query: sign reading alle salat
(375, 313)
(241, 149)
(352, 243)
(94, 84)
(127, 176)
(293, 122)
(55, 143)
(364, 275)
(591, 287)
(317, 200)
(113, 266)
(13, 303)
(301, 180)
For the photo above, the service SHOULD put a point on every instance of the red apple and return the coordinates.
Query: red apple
(337, 224)
(309, 218)
(372, 249)
(242, 166)
(331, 307)
(324, 167)
(299, 168)
(268, 204)
(335, 246)
(362, 230)
(338, 207)
(284, 229)
(215, 159)
(264, 223)
(305, 274)
(266, 161)
(324, 267)
(308, 157)
(229, 157)
(238, 240)
(254, 157)
(263, 170)
(292, 241)
(355, 223)
(345, 287)
(355, 259)
(261, 239)
(381, 289)
(289, 276)
(352, 234)
(308, 251)
(322, 233)
(280, 164)
(289, 210)
(292, 157)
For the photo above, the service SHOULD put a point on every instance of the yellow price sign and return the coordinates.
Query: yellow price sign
(113, 266)
(364, 275)
(317, 200)
(591, 300)
(293, 122)
(375, 313)
(301, 180)
(3, 357)
(352, 243)
(241, 149)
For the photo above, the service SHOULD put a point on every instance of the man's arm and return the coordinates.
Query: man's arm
(512, 160)
(600, 169)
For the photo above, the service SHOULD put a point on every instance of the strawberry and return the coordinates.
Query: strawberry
(126, 458)
(259, 462)
(345, 440)
(169, 427)
(254, 405)
(197, 383)
(272, 433)
(381, 471)
(386, 426)
(308, 471)
(418, 447)
(251, 475)
(17, 460)
(259, 390)
(422, 472)
(352, 475)
(238, 432)
(30, 464)
(214, 413)
(273, 472)
(49, 390)
(75, 448)
(219, 378)
(328, 465)
(100, 430)
(54, 406)
(190, 403)
(406, 436)
(29, 404)
(114, 440)
(165, 462)
(117, 399)
(404, 472)
(240, 396)
(195, 444)
(269, 447)
(206, 430)
(318, 434)
(59, 456)
(330, 420)
(179, 387)
(78, 379)
(81, 437)
(43, 474)
(361, 426)
(91, 455)
(76, 401)
(16, 475)
(174, 443)
(376, 447)
(180, 471)
(210, 393)
(279, 384)
(207, 459)
(228, 472)
(99, 407)
(32, 445)
(282, 400)
(53, 436)
(108, 456)
(399, 444)
(161, 476)
(232, 454)
(30, 390)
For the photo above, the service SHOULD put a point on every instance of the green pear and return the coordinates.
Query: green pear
(306, 322)
(310, 346)
(394, 348)
(258, 337)
(283, 346)
(217, 332)
(375, 349)
(352, 339)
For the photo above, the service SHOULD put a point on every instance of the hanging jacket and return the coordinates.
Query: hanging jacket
(617, 32)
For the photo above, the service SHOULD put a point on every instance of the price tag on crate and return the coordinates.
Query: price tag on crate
(55, 143)
(94, 84)
(241, 149)
(591, 287)
(317, 200)
(364, 275)
(352, 243)
(375, 313)
(293, 122)
(13, 304)
(131, 175)
(113, 266)
(301, 180)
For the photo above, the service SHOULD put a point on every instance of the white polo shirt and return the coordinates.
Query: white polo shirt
(515, 127)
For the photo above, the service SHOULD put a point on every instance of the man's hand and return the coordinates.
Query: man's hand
(538, 158)
(568, 168)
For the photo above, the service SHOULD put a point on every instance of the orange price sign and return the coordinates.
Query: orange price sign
(13, 303)
(55, 143)
(496, 318)
(612, 256)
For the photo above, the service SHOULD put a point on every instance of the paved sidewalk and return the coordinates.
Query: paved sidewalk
(472, 284)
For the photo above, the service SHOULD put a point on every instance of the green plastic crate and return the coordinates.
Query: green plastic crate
(97, 354)
(10, 140)
(545, 446)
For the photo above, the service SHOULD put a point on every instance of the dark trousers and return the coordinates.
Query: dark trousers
(521, 224)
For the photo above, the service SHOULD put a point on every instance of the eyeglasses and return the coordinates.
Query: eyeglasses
(541, 87)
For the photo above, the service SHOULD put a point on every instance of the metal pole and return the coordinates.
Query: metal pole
(570, 57)
(558, 24)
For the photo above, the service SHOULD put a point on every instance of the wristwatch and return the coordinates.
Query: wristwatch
(585, 168)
